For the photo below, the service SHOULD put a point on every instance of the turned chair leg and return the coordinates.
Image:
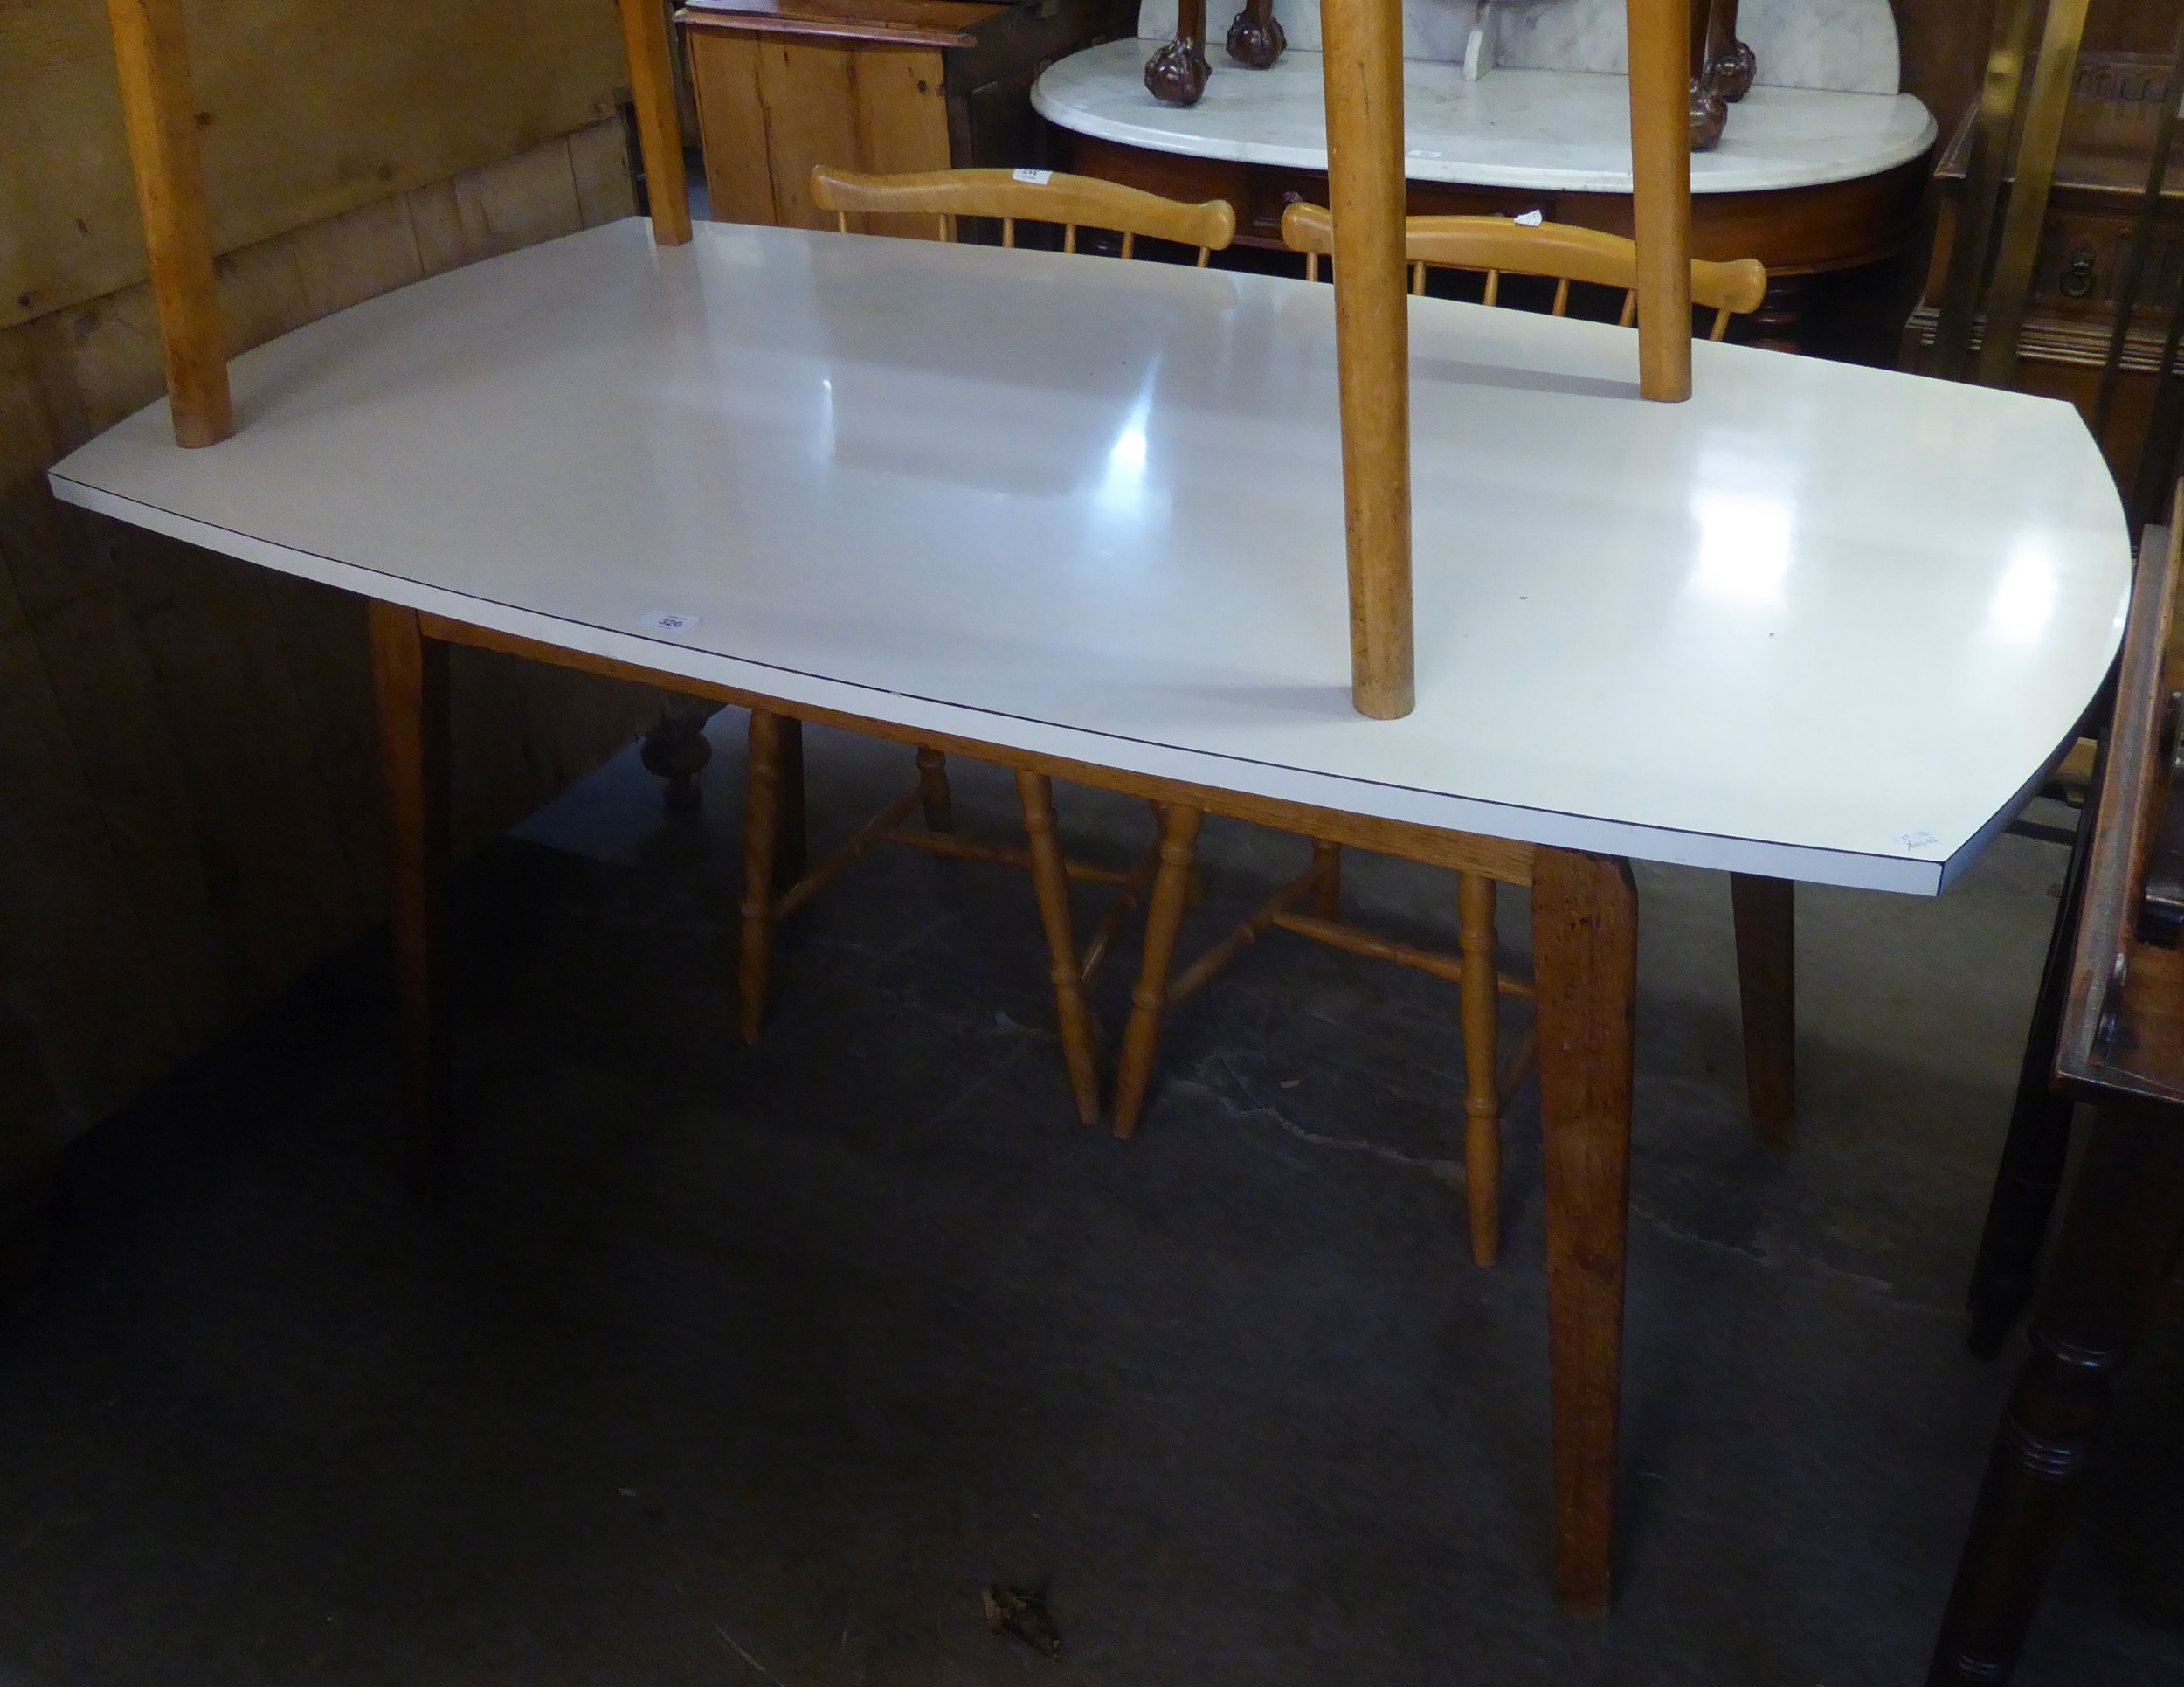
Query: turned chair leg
(932, 790)
(1482, 1101)
(1050, 880)
(1149, 1000)
(762, 834)
(1327, 887)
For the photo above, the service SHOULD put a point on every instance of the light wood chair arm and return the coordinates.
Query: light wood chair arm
(1073, 200)
(1559, 251)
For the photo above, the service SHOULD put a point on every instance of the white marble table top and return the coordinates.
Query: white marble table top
(1819, 622)
(1566, 131)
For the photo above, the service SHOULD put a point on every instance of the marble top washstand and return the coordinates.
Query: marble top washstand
(1556, 131)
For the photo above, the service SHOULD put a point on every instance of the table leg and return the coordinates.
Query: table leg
(409, 674)
(1176, 73)
(1585, 956)
(762, 836)
(789, 845)
(1149, 1000)
(1766, 981)
(1050, 882)
(2119, 1234)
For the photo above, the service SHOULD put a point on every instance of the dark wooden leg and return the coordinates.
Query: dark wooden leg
(2119, 1237)
(2030, 1175)
(1149, 1000)
(761, 832)
(789, 846)
(1176, 73)
(677, 750)
(1585, 956)
(1766, 980)
(1779, 324)
(933, 794)
(1327, 889)
(408, 676)
(1708, 112)
(1256, 36)
(1481, 995)
(1050, 880)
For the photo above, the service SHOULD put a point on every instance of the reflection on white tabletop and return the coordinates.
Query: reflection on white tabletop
(1121, 492)
(1744, 547)
(2024, 601)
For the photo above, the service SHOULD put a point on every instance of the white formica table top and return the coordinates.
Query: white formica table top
(1820, 622)
(1555, 130)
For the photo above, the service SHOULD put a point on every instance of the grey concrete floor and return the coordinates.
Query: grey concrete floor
(754, 1366)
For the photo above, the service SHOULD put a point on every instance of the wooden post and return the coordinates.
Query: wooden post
(1362, 62)
(1661, 192)
(151, 51)
(651, 76)
(1585, 956)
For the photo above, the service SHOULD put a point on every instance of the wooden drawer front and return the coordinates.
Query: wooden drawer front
(2085, 254)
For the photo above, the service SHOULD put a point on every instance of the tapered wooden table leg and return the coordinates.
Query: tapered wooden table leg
(1480, 999)
(1050, 880)
(1766, 981)
(2119, 1240)
(1584, 955)
(409, 686)
(1149, 1000)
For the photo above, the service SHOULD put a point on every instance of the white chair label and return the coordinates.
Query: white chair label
(667, 621)
(1038, 178)
(1530, 218)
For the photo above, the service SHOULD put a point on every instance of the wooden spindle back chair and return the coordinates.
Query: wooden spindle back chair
(1557, 252)
(1031, 196)
(775, 879)
(1310, 904)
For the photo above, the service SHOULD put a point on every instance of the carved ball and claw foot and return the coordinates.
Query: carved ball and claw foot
(1175, 74)
(1709, 115)
(1255, 36)
(1732, 73)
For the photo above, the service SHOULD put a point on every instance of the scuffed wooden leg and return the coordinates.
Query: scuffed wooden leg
(932, 792)
(1326, 902)
(409, 687)
(677, 750)
(762, 832)
(1766, 982)
(1149, 1000)
(1585, 953)
(1482, 1097)
(2117, 1240)
(2038, 1146)
(789, 845)
(1050, 879)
